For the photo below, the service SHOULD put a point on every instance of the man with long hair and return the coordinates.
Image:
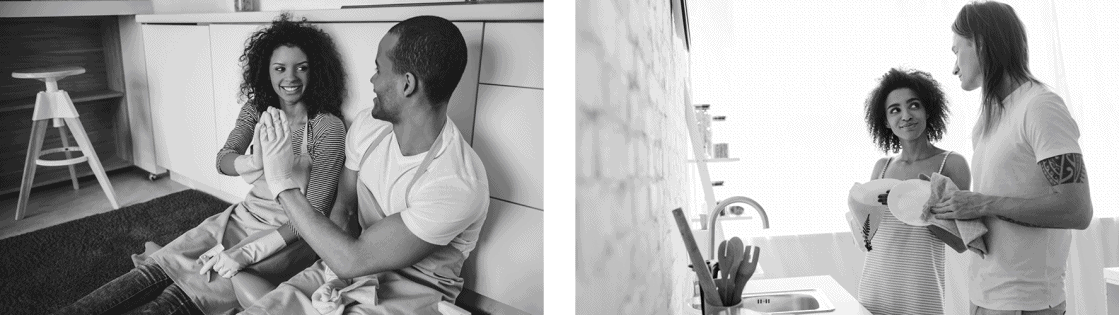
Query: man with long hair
(1029, 182)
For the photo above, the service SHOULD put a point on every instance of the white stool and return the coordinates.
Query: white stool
(55, 105)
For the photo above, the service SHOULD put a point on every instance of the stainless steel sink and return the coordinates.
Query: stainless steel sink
(788, 302)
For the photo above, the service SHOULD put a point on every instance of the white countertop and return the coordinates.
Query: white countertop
(521, 11)
(1111, 275)
(843, 301)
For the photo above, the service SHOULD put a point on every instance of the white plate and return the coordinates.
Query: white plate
(868, 193)
(907, 201)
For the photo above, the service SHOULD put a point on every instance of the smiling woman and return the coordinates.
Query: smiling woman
(287, 40)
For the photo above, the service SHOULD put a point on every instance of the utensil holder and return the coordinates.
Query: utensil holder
(709, 309)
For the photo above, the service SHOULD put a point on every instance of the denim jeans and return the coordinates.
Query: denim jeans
(145, 289)
(1059, 309)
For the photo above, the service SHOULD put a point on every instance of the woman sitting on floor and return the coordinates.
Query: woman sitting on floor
(290, 68)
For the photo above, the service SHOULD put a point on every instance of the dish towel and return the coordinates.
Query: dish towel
(961, 235)
(333, 296)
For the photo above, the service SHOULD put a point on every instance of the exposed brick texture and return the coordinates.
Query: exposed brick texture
(632, 80)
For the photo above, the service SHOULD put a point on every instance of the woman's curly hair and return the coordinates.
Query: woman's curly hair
(927, 90)
(327, 79)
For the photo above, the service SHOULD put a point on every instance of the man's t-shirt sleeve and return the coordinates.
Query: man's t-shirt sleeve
(1050, 129)
(443, 209)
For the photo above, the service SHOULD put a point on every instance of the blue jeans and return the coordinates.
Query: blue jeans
(1055, 310)
(145, 289)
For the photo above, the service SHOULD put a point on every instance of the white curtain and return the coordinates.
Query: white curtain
(791, 77)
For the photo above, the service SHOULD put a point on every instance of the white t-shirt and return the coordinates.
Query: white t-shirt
(447, 205)
(1025, 267)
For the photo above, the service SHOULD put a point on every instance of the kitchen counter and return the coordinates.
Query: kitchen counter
(843, 301)
(531, 11)
(1111, 276)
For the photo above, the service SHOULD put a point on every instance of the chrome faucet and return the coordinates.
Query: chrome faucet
(726, 202)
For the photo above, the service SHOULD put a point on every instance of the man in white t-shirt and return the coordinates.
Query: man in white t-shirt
(1029, 181)
(419, 191)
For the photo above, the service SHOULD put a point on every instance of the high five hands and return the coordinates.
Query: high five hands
(275, 139)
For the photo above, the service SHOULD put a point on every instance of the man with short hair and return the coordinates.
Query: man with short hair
(1029, 182)
(419, 191)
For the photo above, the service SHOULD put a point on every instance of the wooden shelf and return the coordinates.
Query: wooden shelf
(20, 9)
(722, 160)
(77, 97)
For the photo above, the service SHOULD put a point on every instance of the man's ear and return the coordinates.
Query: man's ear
(410, 84)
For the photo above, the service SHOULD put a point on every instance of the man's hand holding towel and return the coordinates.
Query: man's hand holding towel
(960, 234)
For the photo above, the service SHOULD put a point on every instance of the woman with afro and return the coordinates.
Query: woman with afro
(292, 69)
(904, 270)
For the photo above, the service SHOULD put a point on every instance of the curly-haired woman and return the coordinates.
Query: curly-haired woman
(904, 270)
(290, 68)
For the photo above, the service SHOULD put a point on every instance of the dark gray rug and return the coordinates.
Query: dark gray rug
(48, 269)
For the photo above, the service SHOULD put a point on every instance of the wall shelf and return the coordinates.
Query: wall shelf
(719, 160)
(18, 9)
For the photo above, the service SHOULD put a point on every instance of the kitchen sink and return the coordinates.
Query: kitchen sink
(788, 302)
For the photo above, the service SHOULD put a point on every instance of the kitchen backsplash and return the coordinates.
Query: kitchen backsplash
(632, 80)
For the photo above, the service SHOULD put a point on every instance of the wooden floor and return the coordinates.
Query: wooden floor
(56, 204)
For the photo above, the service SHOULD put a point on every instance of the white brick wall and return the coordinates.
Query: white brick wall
(632, 74)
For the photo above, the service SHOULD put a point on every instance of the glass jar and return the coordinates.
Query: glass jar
(244, 5)
(704, 123)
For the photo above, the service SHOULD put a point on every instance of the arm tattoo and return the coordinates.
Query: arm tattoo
(1017, 222)
(1064, 169)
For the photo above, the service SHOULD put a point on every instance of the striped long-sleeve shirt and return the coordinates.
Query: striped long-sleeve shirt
(327, 149)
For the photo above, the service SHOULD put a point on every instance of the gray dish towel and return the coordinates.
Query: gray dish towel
(961, 235)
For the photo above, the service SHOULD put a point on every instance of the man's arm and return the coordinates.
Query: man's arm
(345, 202)
(1069, 206)
(386, 245)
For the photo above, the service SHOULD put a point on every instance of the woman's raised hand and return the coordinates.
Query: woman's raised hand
(275, 138)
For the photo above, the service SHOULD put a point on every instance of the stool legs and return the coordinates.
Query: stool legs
(38, 130)
(78, 130)
(66, 144)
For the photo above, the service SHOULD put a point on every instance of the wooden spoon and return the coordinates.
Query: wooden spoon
(734, 257)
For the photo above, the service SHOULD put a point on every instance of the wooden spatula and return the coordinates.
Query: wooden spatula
(706, 282)
(734, 257)
(745, 271)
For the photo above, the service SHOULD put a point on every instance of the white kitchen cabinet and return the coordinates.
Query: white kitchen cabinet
(227, 43)
(510, 248)
(180, 92)
(513, 55)
(509, 139)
